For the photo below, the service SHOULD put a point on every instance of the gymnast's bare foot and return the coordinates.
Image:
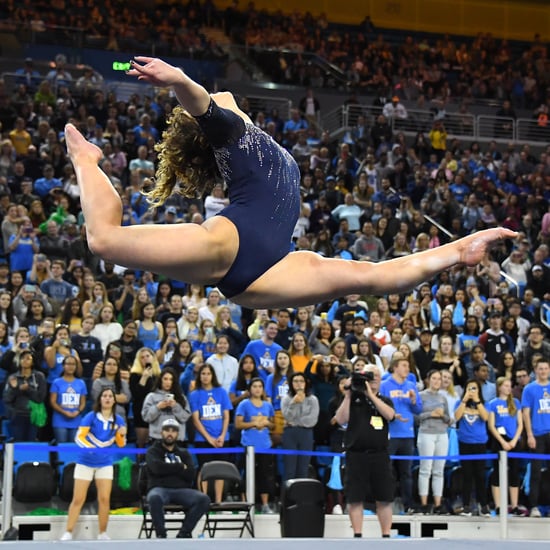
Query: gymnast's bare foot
(80, 150)
(473, 247)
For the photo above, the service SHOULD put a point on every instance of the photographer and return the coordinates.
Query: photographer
(368, 467)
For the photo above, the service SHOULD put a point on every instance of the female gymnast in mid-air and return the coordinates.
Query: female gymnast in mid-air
(245, 249)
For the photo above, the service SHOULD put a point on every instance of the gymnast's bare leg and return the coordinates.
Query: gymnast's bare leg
(204, 254)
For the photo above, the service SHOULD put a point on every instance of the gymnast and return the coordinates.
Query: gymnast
(245, 249)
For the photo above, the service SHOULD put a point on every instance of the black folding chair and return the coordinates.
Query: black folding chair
(174, 514)
(227, 516)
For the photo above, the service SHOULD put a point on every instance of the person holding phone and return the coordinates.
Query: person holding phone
(22, 246)
(471, 417)
(166, 401)
(144, 376)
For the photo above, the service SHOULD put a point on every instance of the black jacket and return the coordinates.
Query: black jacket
(170, 469)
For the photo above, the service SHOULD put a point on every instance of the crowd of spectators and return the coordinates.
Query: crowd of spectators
(364, 197)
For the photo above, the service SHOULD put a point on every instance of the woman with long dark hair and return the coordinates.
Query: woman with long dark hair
(471, 417)
(276, 387)
(26, 385)
(110, 377)
(246, 371)
(254, 417)
(300, 410)
(166, 401)
(99, 429)
(210, 406)
(68, 402)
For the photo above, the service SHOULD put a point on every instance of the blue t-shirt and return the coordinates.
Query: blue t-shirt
(68, 398)
(471, 428)
(537, 398)
(503, 418)
(57, 370)
(210, 404)
(276, 393)
(21, 257)
(263, 354)
(399, 394)
(254, 437)
(101, 435)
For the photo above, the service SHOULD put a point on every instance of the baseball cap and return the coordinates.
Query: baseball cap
(425, 330)
(170, 423)
(536, 268)
(395, 98)
(172, 210)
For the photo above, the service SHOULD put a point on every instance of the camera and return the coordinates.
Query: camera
(358, 380)
(326, 359)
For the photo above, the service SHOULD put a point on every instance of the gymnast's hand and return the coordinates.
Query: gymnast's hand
(155, 71)
(473, 247)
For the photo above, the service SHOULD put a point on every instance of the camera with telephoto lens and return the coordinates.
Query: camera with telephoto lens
(358, 380)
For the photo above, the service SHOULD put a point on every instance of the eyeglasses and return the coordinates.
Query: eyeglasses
(522, 376)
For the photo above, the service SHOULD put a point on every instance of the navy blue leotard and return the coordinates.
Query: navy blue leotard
(263, 183)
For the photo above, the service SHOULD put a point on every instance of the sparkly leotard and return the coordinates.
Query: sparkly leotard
(263, 182)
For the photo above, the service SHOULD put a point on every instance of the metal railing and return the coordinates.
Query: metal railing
(459, 125)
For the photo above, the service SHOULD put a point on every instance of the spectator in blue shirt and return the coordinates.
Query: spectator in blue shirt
(44, 185)
(407, 404)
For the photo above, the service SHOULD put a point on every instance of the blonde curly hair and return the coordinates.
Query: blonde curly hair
(186, 159)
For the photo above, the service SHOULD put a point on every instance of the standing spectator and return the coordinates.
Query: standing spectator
(494, 340)
(215, 202)
(285, 330)
(225, 365)
(438, 139)
(535, 408)
(110, 376)
(107, 329)
(471, 417)
(170, 479)
(25, 386)
(535, 344)
(22, 247)
(57, 351)
(254, 417)
(394, 109)
(301, 411)
(264, 349)
(210, 406)
(144, 376)
(56, 288)
(407, 402)
(68, 401)
(432, 440)
(166, 401)
(99, 429)
(44, 186)
(506, 428)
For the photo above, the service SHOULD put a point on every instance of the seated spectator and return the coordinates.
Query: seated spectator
(170, 483)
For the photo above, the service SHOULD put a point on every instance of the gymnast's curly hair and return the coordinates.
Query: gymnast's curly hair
(185, 158)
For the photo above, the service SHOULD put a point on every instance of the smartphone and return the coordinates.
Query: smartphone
(30, 288)
(169, 397)
(326, 359)
(472, 388)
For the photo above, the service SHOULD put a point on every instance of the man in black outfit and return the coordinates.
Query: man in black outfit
(368, 468)
(170, 476)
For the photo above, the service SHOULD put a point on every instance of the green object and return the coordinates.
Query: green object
(124, 479)
(58, 216)
(46, 512)
(39, 415)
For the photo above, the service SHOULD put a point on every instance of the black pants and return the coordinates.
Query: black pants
(543, 447)
(473, 473)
